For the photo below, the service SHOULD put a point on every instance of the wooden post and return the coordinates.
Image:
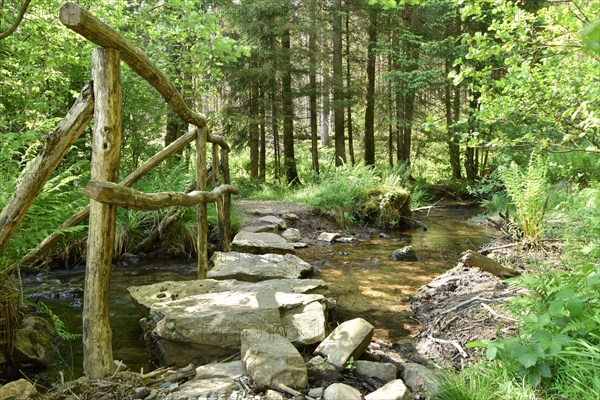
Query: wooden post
(106, 149)
(216, 168)
(202, 215)
(226, 234)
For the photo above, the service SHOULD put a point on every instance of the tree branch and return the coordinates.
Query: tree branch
(15, 24)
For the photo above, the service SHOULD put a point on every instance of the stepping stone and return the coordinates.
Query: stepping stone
(271, 359)
(292, 235)
(328, 237)
(349, 339)
(261, 243)
(214, 378)
(394, 390)
(255, 268)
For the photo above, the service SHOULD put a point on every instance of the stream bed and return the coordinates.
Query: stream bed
(362, 278)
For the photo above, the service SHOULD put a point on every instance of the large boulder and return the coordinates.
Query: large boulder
(271, 359)
(255, 268)
(214, 379)
(261, 243)
(207, 327)
(418, 378)
(34, 342)
(147, 296)
(349, 339)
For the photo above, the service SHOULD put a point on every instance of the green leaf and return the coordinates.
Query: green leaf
(575, 307)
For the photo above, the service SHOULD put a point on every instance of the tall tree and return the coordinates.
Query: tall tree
(338, 83)
(369, 140)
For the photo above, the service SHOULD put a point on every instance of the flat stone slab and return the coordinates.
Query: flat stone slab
(147, 296)
(328, 237)
(271, 359)
(349, 339)
(256, 268)
(213, 379)
(261, 243)
(206, 327)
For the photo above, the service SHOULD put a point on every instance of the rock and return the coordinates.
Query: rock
(206, 327)
(418, 377)
(345, 239)
(255, 268)
(340, 391)
(146, 296)
(271, 359)
(261, 243)
(316, 393)
(34, 342)
(406, 253)
(292, 235)
(394, 390)
(214, 378)
(273, 395)
(299, 245)
(328, 237)
(321, 371)
(384, 372)
(291, 217)
(273, 220)
(17, 390)
(349, 339)
(260, 229)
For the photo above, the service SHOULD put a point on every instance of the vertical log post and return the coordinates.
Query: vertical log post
(106, 148)
(226, 233)
(216, 168)
(202, 215)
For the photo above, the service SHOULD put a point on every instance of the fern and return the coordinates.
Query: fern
(59, 325)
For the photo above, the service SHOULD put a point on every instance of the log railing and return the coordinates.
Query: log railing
(102, 98)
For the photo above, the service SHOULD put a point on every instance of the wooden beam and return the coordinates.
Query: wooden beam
(202, 215)
(37, 173)
(94, 30)
(106, 154)
(119, 195)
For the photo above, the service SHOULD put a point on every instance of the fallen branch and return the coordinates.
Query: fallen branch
(467, 302)
(452, 342)
(289, 390)
(473, 259)
(495, 314)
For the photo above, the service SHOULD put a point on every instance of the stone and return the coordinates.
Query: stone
(261, 229)
(394, 390)
(349, 339)
(34, 342)
(17, 390)
(273, 220)
(271, 359)
(291, 217)
(261, 243)
(299, 245)
(345, 239)
(213, 378)
(418, 378)
(316, 393)
(341, 391)
(406, 253)
(383, 372)
(292, 235)
(255, 267)
(328, 237)
(321, 371)
(146, 296)
(206, 327)
(273, 395)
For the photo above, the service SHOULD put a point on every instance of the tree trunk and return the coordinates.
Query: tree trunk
(348, 94)
(338, 84)
(471, 167)
(106, 153)
(370, 110)
(201, 212)
(453, 145)
(262, 155)
(325, 106)
(291, 173)
(253, 135)
(275, 128)
(312, 61)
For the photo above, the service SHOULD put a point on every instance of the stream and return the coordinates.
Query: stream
(362, 278)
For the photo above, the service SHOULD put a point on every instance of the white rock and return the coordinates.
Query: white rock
(261, 243)
(255, 268)
(271, 359)
(273, 220)
(341, 391)
(214, 378)
(349, 339)
(328, 237)
(292, 235)
(394, 390)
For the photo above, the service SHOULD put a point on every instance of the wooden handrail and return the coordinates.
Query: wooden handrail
(112, 193)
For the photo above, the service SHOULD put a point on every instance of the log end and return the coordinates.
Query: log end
(70, 14)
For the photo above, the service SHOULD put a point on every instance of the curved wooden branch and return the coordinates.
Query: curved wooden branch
(90, 27)
(113, 193)
(15, 24)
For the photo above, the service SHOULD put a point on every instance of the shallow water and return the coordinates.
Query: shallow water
(363, 280)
